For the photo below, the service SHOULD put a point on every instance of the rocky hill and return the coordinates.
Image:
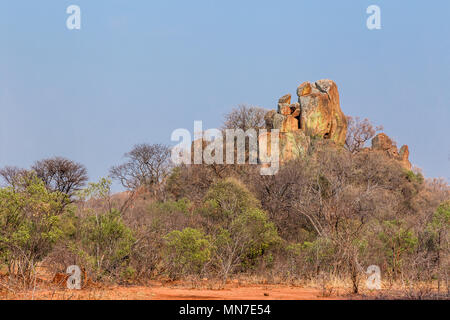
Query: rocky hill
(317, 114)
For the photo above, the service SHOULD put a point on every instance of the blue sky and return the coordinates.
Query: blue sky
(137, 70)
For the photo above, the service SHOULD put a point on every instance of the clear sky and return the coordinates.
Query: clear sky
(137, 70)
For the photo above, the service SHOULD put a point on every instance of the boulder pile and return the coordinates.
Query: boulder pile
(317, 114)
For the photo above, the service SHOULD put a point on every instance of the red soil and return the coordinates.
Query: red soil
(158, 291)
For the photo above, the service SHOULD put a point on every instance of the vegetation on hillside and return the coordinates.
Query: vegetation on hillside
(333, 212)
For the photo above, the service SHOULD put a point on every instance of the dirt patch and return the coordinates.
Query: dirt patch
(179, 292)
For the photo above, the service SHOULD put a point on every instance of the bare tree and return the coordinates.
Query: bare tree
(147, 165)
(245, 117)
(359, 132)
(13, 176)
(61, 174)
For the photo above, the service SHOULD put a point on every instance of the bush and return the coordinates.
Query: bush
(106, 243)
(150, 224)
(397, 242)
(227, 199)
(99, 240)
(30, 225)
(187, 252)
(414, 177)
(242, 231)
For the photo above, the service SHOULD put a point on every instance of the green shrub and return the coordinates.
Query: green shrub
(441, 218)
(414, 177)
(187, 252)
(242, 231)
(397, 241)
(319, 254)
(227, 199)
(103, 242)
(106, 243)
(30, 225)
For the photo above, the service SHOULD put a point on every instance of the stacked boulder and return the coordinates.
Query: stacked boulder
(382, 143)
(317, 114)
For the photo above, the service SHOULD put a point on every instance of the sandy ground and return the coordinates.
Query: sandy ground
(179, 292)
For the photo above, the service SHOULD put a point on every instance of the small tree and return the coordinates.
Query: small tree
(439, 227)
(146, 169)
(147, 165)
(242, 230)
(106, 242)
(103, 242)
(60, 174)
(14, 177)
(187, 251)
(245, 117)
(247, 237)
(359, 132)
(397, 242)
(30, 225)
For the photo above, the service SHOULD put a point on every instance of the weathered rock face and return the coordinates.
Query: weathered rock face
(292, 145)
(382, 143)
(404, 157)
(321, 114)
(316, 114)
(283, 105)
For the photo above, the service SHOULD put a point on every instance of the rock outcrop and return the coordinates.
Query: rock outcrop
(316, 114)
(382, 143)
(321, 114)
